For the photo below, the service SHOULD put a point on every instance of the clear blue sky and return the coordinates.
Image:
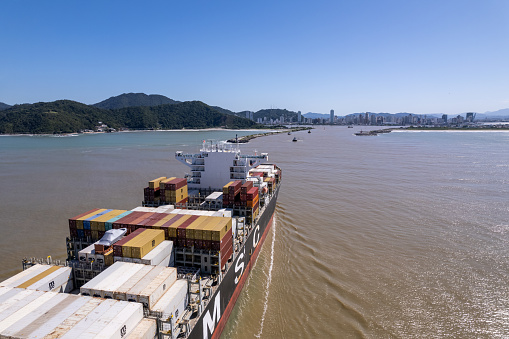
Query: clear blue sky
(433, 56)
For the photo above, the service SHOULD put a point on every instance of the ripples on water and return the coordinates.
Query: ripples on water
(402, 235)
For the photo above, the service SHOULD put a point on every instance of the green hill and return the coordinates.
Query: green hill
(65, 116)
(133, 100)
(3, 106)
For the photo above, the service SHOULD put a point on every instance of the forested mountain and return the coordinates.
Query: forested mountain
(133, 100)
(274, 113)
(65, 116)
(3, 106)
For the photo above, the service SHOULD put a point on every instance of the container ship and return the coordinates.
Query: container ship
(170, 268)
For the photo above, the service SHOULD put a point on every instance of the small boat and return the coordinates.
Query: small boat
(309, 131)
(294, 139)
(350, 126)
(289, 133)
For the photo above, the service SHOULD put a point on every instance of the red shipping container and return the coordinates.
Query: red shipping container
(117, 247)
(246, 187)
(217, 245)
(181, 243)
(181, 230)
(175, 184)
(225, 256)
(72, 221)
(73, 233)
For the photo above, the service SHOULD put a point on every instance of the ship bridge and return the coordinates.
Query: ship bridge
(217, 164)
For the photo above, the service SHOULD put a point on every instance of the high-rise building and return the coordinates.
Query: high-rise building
(444, 118)
(331, 116)
(299, 117)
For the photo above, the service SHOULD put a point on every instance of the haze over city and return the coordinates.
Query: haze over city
(378, 56)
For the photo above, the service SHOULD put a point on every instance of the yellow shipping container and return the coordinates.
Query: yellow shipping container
(147, 241)
(207, 230)
(191, 230)
(155, 183)
(161, 184)
(225, 187)
(79, 221)
(108, 257)
(97, 224)
(161, 222)
(219, 231)
(172, 229)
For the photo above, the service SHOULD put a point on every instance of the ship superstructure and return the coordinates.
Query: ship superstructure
(182, 257)
(217, 163)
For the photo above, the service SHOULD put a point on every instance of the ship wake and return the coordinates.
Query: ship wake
(269, 278)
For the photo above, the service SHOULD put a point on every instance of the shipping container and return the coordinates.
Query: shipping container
(121, 292)
(181, 230)
(17, 320)
(172, 304)
(146, 329)
(87, 254)
(163, 182)
(156, 288)
(102, 279)
(23, 276)
(124, 323)
(145, 242)
(73, 221)
(91, 317)
(80, 220)
(126, 221)
(59, 280)
(44, 325)
(134, 293)
(159, 254)
(73, 319)
(155, 183)
(86, 222)
(98, 224)
(108, 292)
(117, 247)
(108, 225)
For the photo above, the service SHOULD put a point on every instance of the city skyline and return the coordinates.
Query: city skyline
(368, 56)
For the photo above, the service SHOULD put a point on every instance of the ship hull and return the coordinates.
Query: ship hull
(214, 317)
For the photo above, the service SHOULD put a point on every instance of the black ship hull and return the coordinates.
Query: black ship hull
(214, 317)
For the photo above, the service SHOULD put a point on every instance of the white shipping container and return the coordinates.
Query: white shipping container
(108, 291)
(145, 209)
(100, 278)
(124, 323)
(132, 294)
(74, 318)
(146, 329)
(55, 281)
(173, 302)
(90, 318)
(8, 292)
(158, 254)
(23, 276)
(50, 321)
(156, 288)
(18, 299)
(36, 316)
(85, 255)
(120, 293)
(45, 299)
(97, 326)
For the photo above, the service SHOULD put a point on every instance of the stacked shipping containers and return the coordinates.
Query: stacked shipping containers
(175, 191)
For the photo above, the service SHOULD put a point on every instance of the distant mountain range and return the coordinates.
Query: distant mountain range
(140, 111)
(66, 116)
